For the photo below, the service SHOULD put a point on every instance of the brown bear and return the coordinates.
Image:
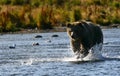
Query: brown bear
(84, 35)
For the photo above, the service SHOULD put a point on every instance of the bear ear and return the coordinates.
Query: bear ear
(80, 24)
(68, 25)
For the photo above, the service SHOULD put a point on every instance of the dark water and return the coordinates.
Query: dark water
(49, 58)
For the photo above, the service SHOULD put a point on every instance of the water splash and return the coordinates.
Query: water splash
(93, 55)
(27, 62)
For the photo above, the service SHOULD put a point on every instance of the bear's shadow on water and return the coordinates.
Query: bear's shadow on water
(82, 62)
(79, 61)
(94, 61)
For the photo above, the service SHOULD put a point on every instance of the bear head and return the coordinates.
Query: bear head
(75, 30)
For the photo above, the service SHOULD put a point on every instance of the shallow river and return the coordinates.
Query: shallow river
(49, 58)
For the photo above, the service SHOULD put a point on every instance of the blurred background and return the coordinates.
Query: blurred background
(16, 15)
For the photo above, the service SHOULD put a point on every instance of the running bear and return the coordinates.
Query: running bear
(83, 36)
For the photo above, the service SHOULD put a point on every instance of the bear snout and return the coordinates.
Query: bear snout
(73, 35)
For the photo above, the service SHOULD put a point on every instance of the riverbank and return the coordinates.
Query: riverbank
(17, 14)
(23, 31)
(56, 29)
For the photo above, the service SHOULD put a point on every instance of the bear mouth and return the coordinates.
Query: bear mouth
(75, 39)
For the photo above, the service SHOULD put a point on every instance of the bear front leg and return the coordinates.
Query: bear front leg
(79, 49)
(82, 52)
(75, 45)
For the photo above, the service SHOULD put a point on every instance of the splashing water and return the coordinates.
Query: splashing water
(93, 55)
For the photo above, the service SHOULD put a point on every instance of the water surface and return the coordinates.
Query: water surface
(49, 58)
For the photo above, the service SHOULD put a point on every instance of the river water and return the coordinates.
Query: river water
(50, 57)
